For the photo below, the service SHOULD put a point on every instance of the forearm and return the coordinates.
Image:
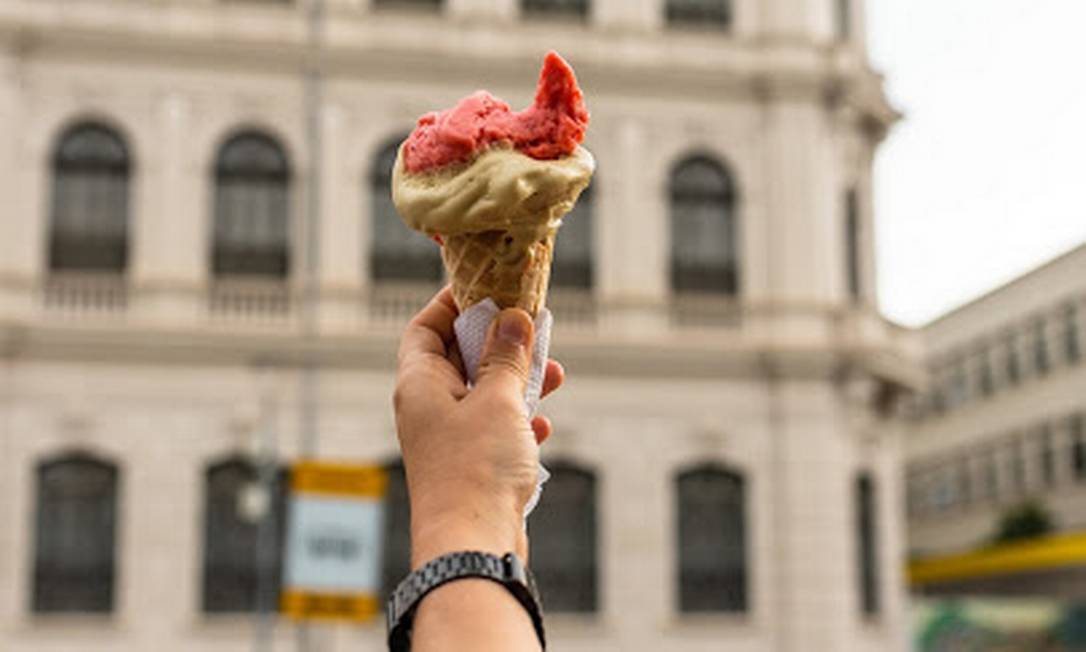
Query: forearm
(473, 614)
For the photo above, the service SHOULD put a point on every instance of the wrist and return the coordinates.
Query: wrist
(493, 528)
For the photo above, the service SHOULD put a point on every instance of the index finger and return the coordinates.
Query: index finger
(431, 330)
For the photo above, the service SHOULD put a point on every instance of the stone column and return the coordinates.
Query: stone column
(633, 236)
(21, 229)
(633, 15)
(170, 220)
(802, 230)
(341, 226)
(481, 9)
(813, 557)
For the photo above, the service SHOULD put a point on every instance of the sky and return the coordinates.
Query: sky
(985, 178)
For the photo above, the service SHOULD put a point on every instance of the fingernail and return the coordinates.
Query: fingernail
(512, 328)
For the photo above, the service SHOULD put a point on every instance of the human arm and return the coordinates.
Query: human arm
(471, 459)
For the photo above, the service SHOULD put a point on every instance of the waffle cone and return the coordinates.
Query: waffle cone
(494, 264)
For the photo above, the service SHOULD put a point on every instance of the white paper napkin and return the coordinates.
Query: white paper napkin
(471, 328)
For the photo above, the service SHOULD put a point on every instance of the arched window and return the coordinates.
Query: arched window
(571, 8)
(712, 540)
(252, 208)
(396, 548)
(700, 13)
(74, 554)
(867, 543)
(244, 525)
(397, 253)
(562, 530)
(89, 222)
(703, 228)
(574, 246)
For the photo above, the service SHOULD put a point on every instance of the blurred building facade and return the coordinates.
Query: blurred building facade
(727, 447)
(1003, 425)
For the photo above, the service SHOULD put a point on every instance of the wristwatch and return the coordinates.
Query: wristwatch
(507, 570)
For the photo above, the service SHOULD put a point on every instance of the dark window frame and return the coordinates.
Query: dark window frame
(843, 17)
(725, 587)
(867, 535)
(1072, 336)
(575, 9)
(238, 575)
(563, 530)
(713, 14)
(853, 247)
(700, 186)
(1013, 360)
(252, 179)
(1048, 455)
(985, 374)
(1077, 427)
(1016, 464)
(1042, 359)
(396, 545)
(578, 227)
(90, 211)
(397, 254)
(426, 5)
(75, 544)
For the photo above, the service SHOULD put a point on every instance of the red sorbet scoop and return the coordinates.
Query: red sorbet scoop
(549, 129)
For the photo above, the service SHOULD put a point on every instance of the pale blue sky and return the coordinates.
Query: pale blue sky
(985, 177)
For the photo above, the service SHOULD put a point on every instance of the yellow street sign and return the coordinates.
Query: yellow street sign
(334, 535)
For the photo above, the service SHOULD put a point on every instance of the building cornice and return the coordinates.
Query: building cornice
(375, 47)
(704, 358)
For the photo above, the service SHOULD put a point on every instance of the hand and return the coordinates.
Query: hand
(471, 457)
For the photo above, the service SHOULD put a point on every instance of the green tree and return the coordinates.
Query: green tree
(1026, 521)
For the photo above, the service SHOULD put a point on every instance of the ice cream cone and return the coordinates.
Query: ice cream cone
(496, 264)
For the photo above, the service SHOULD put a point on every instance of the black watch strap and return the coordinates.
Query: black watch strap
(508, 571)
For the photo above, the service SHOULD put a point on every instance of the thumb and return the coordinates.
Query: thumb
(507, 354)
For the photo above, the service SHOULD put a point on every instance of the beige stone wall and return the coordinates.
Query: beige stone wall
(784, 386)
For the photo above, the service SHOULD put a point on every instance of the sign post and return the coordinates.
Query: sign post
(333, 563)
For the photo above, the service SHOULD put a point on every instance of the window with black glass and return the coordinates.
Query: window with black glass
(1041, 361)
(985, 376)
(407, 4)
(1013, 366)
(867, 537)
(396, 546)
(562, 530)
(244, 536)
(1072, 344)
(252, 208)
(397, 253)
(1048, 456)
(704, 256)
(76, 529)
(573, 249)
(965, 481)
(852, 244)
(1016, 460)
(1078, 446)
(89, 220)
(959, 383)
(712, 545)
(991, 475)
(699, 13)
(844, 19)
(558, 8)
